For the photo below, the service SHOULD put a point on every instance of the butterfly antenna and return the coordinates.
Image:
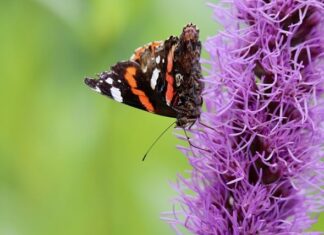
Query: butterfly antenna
(156, 140)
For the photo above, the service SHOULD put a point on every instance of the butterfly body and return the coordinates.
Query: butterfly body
(162, 77)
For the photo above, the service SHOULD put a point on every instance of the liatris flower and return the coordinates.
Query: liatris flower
(256, 151)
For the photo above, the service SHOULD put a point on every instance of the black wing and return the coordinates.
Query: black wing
(126, 83)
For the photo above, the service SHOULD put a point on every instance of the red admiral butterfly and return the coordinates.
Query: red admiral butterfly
(162, 77)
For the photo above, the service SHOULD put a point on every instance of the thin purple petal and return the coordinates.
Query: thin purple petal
(257, 150)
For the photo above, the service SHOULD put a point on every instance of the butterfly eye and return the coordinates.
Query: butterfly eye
(179, 79)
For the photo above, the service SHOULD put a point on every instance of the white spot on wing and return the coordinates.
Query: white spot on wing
(109, 80)
(96, 89)
(154, 78)
(158, 59)
(115, 93)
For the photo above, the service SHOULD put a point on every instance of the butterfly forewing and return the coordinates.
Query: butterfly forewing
(120, 84)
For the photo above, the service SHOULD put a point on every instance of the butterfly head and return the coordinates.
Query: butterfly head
(187, 53)
(190, 33)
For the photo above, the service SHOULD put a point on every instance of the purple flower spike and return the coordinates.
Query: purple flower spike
(257, 150)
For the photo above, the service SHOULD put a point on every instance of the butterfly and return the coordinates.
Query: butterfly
(161, 77)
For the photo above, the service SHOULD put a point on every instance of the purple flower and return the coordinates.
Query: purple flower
(256, 151)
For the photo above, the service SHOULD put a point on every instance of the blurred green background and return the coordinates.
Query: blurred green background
(70, 160)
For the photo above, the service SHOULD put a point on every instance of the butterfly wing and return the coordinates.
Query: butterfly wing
(126, 83)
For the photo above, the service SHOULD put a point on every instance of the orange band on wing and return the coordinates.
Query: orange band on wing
(169, 92)
(169, 78)
(129, 76)
(143, 99)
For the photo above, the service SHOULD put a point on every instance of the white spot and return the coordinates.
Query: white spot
(115, 93)
(158, 59)
(154, 78)
(119, 81)
(163, 61)
(109, 80)
(96, 89)
(144, 69)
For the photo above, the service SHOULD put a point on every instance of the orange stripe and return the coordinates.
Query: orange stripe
(169, 78)
(170, 60)
(129, 76)
(143, 99)
(169, 92)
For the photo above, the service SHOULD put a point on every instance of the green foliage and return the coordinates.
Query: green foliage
(70, 160)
